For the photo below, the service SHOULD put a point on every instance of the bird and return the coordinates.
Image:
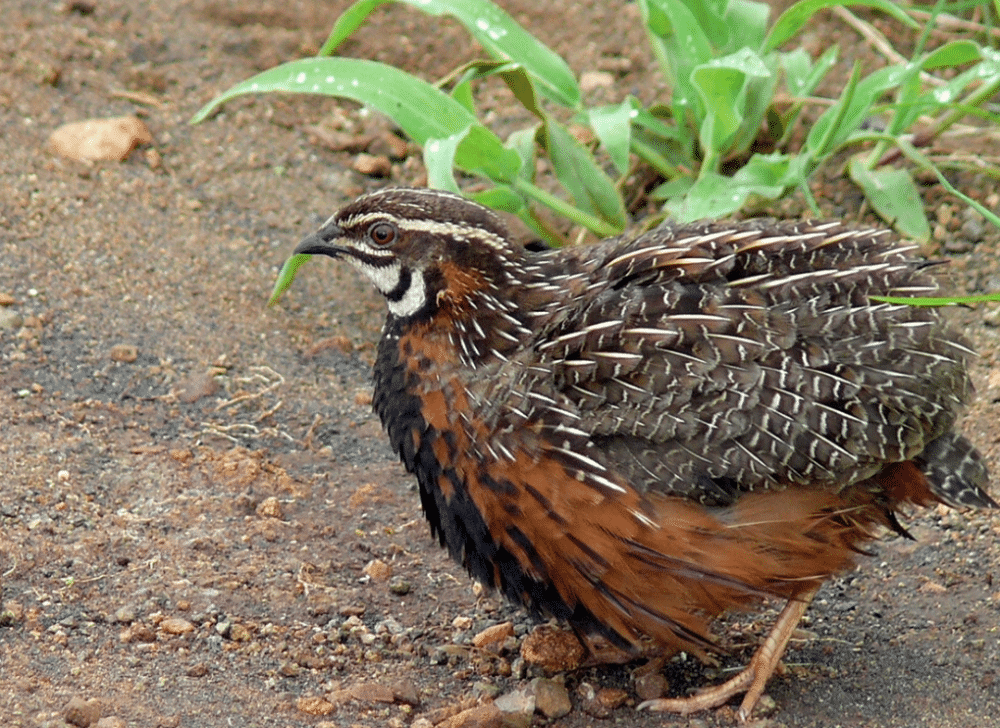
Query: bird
(638, 435)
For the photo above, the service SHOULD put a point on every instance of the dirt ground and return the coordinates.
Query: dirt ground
(201, 523)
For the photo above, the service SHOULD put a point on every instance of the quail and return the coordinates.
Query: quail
(637, 435)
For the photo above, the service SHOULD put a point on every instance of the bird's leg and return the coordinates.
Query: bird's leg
(753, 678)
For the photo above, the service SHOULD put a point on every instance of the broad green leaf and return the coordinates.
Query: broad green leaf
(955, 53)
(648, 120)
(513, 74)
(712, 195)
(893, 195)
(801, 74)
(286, 276)
(497, 32)
(682, 46)
(439, 161)
(577, 171)
(522, 142)
(481, 152)
(747, 23)
(671, 189)
(792, 20)
(500, 198)
(613, 126)
(765, 176)
(721, 84)
(767, 173)
(421, 110)
(462, 93)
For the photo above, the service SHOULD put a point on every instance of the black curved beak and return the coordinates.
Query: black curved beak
(322, 242)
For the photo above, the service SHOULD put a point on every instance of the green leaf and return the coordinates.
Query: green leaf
(522, 142)
(513, 74)
(348, 22)
(792, 20)
(497, 32)
(286, 276)
(852, 108)
(613, 126)
(423, 111)
(500, 198)
(722, 84)
(894, 196)
(682, 44)
(439, 161)
(747, 23)
(801, 74)
(577, 171)
(955, 53)
(481, 152)
(715, 195)
(938, 300)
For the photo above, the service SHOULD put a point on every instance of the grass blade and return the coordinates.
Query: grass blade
(497, 32)
(423, 111)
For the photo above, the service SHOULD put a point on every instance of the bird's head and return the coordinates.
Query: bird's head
(422, 249)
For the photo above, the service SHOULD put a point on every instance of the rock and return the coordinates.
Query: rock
(94, 139)
(198, 670)
(551, 698)
(553, 649)
(176, 625)
(399, 586)
(481, 716)
(493, 635)
(378, 570)
(82, 713)
(612, 697)
(372, 165)
(314, 705)
(10, 319)
(192, 388)
(651, 686)
(372, 692)
(138, 632)
(269, 508)
(406, 691)
(521, 700)
(124, 353)
(593, 80)
(111, 721)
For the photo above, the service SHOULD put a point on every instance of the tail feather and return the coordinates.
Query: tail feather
(956, 472)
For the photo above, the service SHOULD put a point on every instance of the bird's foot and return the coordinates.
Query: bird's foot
(753, 679)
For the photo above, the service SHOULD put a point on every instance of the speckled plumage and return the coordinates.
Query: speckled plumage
(637, 434)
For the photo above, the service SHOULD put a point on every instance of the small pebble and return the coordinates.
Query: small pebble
(269, 508)
(82, 713)
(314, 705)
(176, 625)
(124, 353)
(372, 165)
(378, 570)
(551, 698)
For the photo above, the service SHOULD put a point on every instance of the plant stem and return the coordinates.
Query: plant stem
(591, 222)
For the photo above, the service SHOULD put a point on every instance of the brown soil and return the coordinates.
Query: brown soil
(202, 524)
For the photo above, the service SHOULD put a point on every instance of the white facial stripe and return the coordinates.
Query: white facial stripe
(414, 298)
(385, 278)
(459, 232)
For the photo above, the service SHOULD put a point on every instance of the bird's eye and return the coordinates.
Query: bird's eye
(382, 233)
